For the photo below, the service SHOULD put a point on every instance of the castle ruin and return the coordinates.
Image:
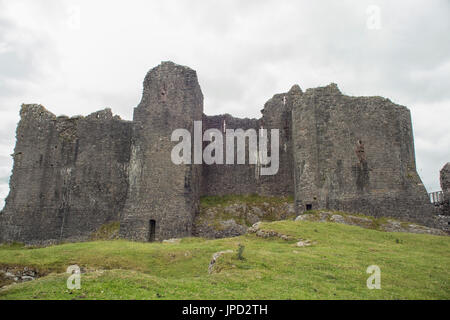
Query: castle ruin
(73, 175)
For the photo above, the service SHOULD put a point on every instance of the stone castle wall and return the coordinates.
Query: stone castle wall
(73, 175)
(356, 154)
(444, 177)
(277, 114)
(227, 178)
(159, 190)
(245, 178)
(69, 175)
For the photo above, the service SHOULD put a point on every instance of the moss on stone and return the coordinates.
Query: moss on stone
(108, 231)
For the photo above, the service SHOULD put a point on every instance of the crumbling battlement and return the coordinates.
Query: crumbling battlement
(73, 175)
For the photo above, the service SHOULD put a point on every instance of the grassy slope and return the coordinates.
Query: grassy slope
(412, 267)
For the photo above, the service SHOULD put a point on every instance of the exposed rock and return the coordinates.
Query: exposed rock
(396, 226)
(389, 225)
(302, 217)
(27, 278)
(174, 240)
(233, 228)
(337, 218)
(268, 233)
(253, 218)
(254, 227)
(223, 229)
(303, 243)
(17, 274)
(234, 219)
(257, 211)
(216, 256)
(290, 208)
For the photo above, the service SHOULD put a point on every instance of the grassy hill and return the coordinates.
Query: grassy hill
(413, 266)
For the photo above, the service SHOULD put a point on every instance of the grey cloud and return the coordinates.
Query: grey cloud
(7, 133)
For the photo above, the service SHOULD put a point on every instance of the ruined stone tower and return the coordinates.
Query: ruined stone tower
(73, 175)
(162, 197)
(356, 154)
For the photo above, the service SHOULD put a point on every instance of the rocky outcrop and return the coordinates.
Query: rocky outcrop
(383, 224)
(214, 259)
(9, 275)
(267, 234)
(230, 220)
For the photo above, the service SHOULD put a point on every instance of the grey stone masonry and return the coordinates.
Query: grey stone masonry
(356, 154)
(69, 176)
(445, 186)
(163, 197)
(73, 175)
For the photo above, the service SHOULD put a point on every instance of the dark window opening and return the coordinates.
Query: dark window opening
(286, 132)
(308, 207)
(151, 233)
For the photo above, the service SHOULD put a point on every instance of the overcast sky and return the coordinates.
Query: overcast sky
(77, 57)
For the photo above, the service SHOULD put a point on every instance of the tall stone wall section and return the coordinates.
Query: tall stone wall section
(277, 114)
(356, 154)
(160, 192)
(245, 178)
(69, 176)
(227, 179)
(445, 186)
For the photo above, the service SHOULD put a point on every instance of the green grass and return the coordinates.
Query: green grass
(413, 266)
(369, 222)
(249, 199)
(107, 231)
